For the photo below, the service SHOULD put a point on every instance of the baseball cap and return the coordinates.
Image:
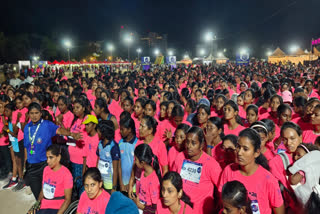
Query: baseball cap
(204, 101)
(90, 119)
(287, 97)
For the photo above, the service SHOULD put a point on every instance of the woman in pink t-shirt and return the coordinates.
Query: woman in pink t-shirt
(95, 199)
(309, 136)
(219, 104)
(284, 112)
(291, 135)
(275, 102)
(251, 115)
(57, 182)
(213, 133)
(102, 112)
(199, 171)
(262, 130)
(251, 167)
(234, 123)
(201, 117)
(173, 199)
(235, 198)
(179, 143)
(64, 119)
(249, 97)
(148, 186)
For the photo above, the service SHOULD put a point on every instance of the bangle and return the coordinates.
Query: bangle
(209, 146)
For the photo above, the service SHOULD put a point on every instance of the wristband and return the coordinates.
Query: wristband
(209, 146)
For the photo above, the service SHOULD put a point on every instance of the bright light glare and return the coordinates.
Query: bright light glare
(225, 50)
(35, 58)
(269, 53)
(67, 43)
(202, 52)
(128, 39)
(294, 48)
(220, 54)
(110, 47)
(139, 50)
(209, 36)
(243, 51)
(185, 56)
(170, 53)
(156, 51)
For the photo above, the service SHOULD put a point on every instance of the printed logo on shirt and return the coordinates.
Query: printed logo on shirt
(122, 151)
(91, 211)
(108, 154)
(255, 207)
(39, 140)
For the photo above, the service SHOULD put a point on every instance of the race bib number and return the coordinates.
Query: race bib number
(255, 207)
(48, 190)
(191, 171)
(104, 167)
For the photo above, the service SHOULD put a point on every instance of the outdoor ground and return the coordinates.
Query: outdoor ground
(15, 202)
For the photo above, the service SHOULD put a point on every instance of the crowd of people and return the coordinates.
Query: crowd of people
(197, 139)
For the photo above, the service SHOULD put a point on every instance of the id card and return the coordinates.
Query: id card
(48, 190)
(191, 171)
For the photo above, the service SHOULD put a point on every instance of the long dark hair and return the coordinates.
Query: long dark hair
(57, 150)
(237, 195)
(176, 181)
(254, 138)
(144, 153)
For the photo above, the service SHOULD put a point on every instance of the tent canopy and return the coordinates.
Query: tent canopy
(278, 53)
(299, 52)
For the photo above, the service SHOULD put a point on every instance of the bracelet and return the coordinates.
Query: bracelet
(209, 146)
(8, 130)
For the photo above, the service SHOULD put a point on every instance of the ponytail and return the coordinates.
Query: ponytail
(156, 167)
(144, 153)
(262, 161)
(186, 200)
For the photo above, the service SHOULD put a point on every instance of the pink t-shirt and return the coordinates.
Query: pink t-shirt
(137, 124)
(163, 209)
(278, 171)
(115, 109)
(67, 119)
(268, 153)
(242, 112)
(264, 195)
(303, 125)
(235, 131)
(162, 126)
(158, 149)
(172, 154)
(269, 116)
(53, 185)
(91, 145)
(199, 179)
(77, 153)
(218, 154)
(149, 188)
(4, 141)
(93, 206)
(309, 136)
(262, 110)
(22, 120)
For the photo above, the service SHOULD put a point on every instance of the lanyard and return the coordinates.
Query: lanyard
(33, 137)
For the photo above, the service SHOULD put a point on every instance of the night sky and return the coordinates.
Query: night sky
(256, 24)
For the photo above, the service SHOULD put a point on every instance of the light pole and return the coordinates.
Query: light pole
(210, 37)
(110, 48)
(139, 51)
(128, 40)
(68, 45)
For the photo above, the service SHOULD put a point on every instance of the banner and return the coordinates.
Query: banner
(172, 61)
(145, 61)
(159, 60)
(242, 58)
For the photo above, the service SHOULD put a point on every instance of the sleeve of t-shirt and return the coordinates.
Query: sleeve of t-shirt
(115, 152)
(25, 136)
(214, 171)
(223, 178)
(274, 193)
(82, 203)
(52, 129)
(68, 180)
(163, 155)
